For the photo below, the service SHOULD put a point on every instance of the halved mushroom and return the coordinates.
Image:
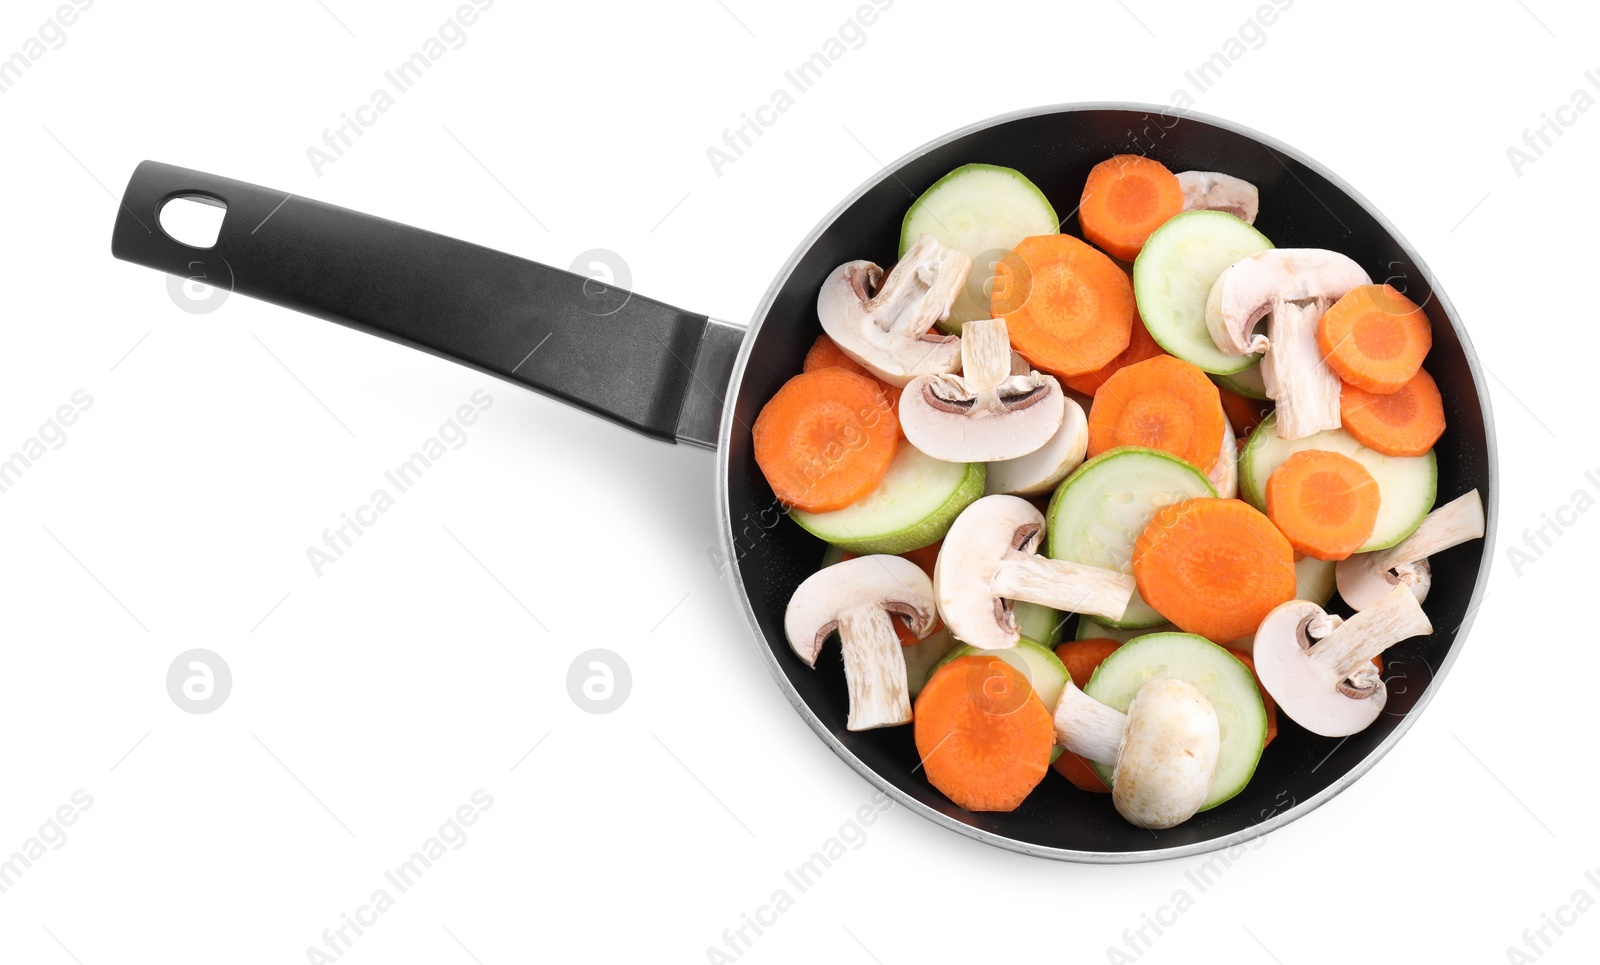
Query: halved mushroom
(988, 560)
(1213, 191)
(1319, 669)
(856, 598)
(1040, 470)
(985, 414)
(1292, 287)
(1366, 578)
(1163, 751)
(885, 328)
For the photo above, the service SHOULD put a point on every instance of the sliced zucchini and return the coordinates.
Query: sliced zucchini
(1091, 629)
(923, 657)
(1100, 509)
(1246, 382)
(1036, 621)
(1037, 662)
(982, 210)
(1407, 485)
(1172, 278)
(1227, 683)
(912, 507)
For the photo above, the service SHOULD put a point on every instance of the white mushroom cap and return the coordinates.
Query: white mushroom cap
(1168, 756)
(856, 597)
(1291, 287)
(887, 331)
(1213, 191)
(988, 559)
(985, 414)
(1224, 474)
(1040, 470)
(1366, 578)
(1319, 670)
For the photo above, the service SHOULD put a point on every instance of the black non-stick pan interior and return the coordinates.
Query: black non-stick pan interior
(1300, 207)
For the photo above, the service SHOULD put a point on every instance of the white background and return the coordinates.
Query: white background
(370, 702)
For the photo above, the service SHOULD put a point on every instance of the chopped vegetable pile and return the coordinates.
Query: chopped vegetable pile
(1012, 425)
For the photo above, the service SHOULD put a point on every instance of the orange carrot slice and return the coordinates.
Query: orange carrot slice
(1067, 307)
(825, 352)
(982, 733)
(1403, 423)
(1375, 338)
(1125, 198)
(1245, 414)
(1161, 403)
(1140, 347)
(1215, 567)
(825, 439)
(1324, 503)
(1081, 657)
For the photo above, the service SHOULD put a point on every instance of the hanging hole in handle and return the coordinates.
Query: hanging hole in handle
(193, 219)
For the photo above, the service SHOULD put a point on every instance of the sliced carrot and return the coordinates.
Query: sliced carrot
(1245, 414)
(1125, 198)
(1325, 503)
(982, 733)
(1403, 423)
(1140, 347)
(825, 439)
(1161, 403)
(1215, 567)
(1266, 698)
(924, 558)
(826, 352)
(1081, 657)
(1077, 769)
(1067, 307)
(1375, 338)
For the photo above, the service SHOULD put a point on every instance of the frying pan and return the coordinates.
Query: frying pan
(682, 377)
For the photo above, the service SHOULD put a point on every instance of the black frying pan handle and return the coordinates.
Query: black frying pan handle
(627, 358)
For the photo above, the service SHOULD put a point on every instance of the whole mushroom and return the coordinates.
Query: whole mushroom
(1366, 578)
(986, 413)
(1291, 288)
(989, 559)
(856, 598)
(885, 327)
(1319, 669)
(1163, 751)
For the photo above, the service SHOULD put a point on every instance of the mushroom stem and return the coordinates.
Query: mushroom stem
(1349, 649)
(1063, 585)
(874, 669)
(1087, 727)
(1305, 388)
(1456, 522)
(985, 354)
